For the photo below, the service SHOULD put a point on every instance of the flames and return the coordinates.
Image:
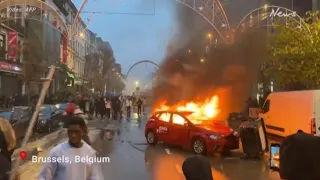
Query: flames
(202, 110)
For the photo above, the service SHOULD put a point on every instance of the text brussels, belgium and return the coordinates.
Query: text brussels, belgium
(76, 159)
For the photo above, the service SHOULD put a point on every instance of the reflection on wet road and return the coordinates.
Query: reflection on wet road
(132, 158)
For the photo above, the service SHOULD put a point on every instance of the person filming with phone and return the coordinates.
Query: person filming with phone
(299, 157)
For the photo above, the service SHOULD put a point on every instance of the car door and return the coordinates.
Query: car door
(26, 119)
(17, 123)
(163, 127)
(180, 131)
(55, 116)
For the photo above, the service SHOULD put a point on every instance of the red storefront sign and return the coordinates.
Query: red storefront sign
(64, 47)
(12, 45)
(9, 67)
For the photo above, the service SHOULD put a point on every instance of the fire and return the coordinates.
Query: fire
(206, 110)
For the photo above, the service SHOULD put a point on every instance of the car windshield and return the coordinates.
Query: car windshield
(45, 110)
(61, 106)
(6, 115)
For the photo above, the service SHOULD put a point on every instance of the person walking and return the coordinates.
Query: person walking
(139, 104)
(144, 104)
(128, 107)
(116, 108)
(7, 144)
(67, 169)
(96, 107)
(108, 108)
(91, 108)
(102, 108)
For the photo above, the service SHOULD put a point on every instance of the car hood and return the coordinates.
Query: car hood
(215, 128)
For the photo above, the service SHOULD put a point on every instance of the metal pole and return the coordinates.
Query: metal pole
(75, 22)
(44, 90)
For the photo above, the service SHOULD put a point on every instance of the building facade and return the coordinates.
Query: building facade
(46, 33)
(10, 69)
(78, 45)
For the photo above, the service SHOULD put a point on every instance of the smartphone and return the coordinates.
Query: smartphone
(275, 156)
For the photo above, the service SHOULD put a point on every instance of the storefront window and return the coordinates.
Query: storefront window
(2, 46)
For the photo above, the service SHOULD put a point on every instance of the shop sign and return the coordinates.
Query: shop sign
(12, 45)
(9, 67)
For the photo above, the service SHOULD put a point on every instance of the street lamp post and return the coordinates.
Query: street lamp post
(209, 35)
(210, 38)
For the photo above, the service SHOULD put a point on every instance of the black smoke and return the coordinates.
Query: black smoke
(229, 71)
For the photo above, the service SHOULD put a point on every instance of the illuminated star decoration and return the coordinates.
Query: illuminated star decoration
(201, 8)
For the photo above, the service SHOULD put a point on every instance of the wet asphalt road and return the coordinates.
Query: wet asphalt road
(131, 158)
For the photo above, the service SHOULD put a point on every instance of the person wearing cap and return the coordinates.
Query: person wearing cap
(300, 157)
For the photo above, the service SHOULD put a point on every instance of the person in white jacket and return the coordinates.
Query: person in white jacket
(128, 107)
(108, 107)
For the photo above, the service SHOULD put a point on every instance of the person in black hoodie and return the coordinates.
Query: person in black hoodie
(197, 168)
(139, 104)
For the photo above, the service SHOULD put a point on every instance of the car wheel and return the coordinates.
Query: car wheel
(151, 138)
(199, 146)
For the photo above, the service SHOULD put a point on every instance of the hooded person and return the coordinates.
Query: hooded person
(299, 157)
(197, 168)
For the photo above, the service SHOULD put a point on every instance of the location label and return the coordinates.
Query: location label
(23, 155)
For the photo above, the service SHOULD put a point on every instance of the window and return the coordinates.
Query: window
(165, 117)
(26, 113)
(266, 106)
(17, 113)
(2, 46)
(177, 119)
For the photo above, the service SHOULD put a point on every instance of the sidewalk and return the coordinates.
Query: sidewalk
(30, 170)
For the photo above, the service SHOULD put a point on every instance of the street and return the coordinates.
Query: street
(131, 158)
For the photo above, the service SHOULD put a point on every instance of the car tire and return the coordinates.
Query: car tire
(151, 138)
(199, 146)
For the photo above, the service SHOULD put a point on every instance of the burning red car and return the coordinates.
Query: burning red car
(177, 127)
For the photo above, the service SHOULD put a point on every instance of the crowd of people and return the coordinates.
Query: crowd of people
(112, 107)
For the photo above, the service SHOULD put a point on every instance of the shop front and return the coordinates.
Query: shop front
(10, 82)
(79, 84)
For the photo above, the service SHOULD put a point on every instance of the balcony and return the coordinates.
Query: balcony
(60, 4)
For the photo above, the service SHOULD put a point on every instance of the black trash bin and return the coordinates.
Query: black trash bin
(253, 138)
